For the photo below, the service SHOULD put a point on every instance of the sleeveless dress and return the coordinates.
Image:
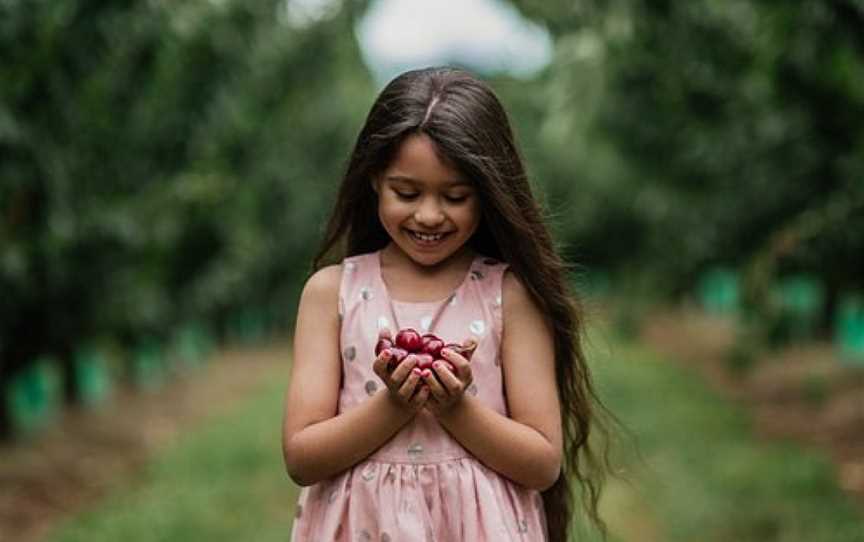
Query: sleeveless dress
(422, 485)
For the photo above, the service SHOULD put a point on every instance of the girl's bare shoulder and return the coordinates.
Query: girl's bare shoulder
(519, 306)
(323, 285)
(515, 294)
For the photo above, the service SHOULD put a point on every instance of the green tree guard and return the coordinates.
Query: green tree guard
(849, 330)
(92, 376)
(34, 396)
(718, 291)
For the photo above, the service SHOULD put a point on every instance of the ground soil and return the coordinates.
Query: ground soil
(88, 452)
(803, 392)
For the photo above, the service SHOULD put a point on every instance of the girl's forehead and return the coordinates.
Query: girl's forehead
(418, 160)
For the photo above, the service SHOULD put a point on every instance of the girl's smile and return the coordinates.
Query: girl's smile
(426, 206)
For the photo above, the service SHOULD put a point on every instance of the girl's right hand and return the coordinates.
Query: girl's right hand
(404, 383)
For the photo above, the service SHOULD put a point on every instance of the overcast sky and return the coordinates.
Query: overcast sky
(397, 35)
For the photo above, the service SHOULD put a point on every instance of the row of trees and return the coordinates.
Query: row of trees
(679, 136)
(163, 163)
(168, 163)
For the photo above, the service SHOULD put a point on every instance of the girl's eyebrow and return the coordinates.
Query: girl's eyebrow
(403, 178)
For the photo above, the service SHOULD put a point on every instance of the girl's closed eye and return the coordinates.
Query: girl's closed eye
(457, 198)
(406, 195)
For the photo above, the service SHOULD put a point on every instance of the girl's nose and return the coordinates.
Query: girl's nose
(429, 213)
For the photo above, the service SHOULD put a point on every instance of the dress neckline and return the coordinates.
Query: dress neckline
(448, 297)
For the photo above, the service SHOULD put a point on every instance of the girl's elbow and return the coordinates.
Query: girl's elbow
(294, 464)
(299, 479)
(548, 480)
(298, 473)
(549, 474)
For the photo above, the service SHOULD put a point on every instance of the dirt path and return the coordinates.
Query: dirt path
(87, 453)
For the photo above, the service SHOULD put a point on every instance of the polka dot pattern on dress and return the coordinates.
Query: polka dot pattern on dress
(350, 353)
(369, 472)
(371, 387)
(470, 311)
(478, 327)
(415, 451)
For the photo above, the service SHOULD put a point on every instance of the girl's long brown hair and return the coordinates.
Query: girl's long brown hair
(470, 128)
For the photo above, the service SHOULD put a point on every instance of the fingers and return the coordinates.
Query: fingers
(380, 365)
(443, 384)
(406, 391)
(403, 370)
(468, 347)
(461, 365)
(420, 397)
(384, 333)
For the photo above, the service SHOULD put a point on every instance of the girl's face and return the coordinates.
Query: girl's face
(428, 208)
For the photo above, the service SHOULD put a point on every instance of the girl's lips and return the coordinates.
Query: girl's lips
(427, 239)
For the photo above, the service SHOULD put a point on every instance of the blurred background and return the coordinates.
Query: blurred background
(166, 169)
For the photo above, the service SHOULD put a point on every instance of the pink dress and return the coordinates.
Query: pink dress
(422, 485)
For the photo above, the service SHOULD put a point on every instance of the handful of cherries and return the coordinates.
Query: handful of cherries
(427, 348)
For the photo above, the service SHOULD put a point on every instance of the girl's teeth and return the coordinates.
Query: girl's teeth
(428, 237)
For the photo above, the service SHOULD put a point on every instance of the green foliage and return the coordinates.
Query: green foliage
(677, 136)
(163, 162)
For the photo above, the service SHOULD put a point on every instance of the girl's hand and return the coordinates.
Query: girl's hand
(449, 386)
(403, 382)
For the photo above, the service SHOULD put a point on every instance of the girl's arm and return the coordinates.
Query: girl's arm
(527, 446)
(316, 442)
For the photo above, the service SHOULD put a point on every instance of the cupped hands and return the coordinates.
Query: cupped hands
(415, 384)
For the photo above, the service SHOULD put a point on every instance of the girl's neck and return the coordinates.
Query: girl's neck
(393, 257)
(407, 280)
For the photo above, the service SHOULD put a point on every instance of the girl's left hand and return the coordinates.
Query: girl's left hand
(449, 386)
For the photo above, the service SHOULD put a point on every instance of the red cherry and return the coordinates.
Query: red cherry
(424, 361)
(409, 340)
(383, 343)
(432, 345)
(396, 356)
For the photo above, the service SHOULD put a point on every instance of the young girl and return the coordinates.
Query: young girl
(437, 230)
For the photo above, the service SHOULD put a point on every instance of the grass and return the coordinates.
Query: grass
(223, 482)
(705, 478)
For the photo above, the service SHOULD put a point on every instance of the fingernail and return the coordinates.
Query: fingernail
(427, 373)
(417, 371)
